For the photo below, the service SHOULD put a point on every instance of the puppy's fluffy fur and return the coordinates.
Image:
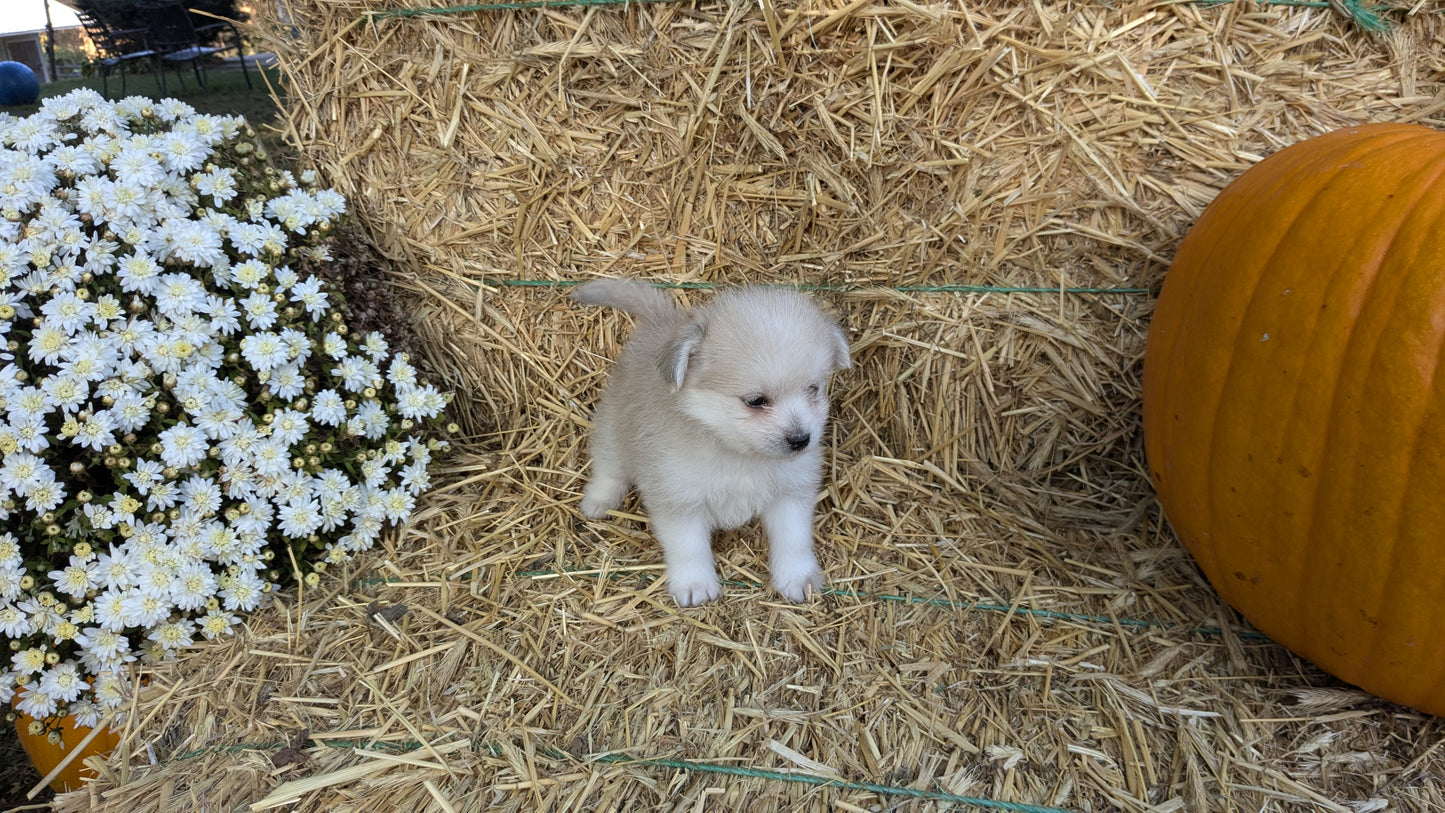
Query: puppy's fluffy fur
(716, 416)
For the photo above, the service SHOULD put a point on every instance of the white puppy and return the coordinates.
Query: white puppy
(716, 416)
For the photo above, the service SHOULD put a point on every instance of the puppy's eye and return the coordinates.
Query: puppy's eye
(757, 401)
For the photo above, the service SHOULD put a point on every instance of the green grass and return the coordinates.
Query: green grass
(227, 92)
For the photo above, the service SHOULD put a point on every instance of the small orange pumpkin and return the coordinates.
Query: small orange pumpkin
(45, 756)
(1294, 403)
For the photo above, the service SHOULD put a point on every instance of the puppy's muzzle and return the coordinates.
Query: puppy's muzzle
(798, 441)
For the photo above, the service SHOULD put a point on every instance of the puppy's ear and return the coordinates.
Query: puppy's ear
(677, 353)
(842, 359)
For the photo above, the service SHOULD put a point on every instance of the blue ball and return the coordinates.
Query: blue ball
(18, 84)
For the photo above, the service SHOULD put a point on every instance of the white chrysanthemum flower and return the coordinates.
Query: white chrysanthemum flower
(259, 310)
(110, 690)
(216, 623)
(15, 624)
(140, 608)
(85, 712)
(114, 569)
(287, 382)
(415, 479)
(289, 426)
(77, 579)
(356, 373)
(68, 312)
(328, 408)
(225, 317)
(104, 648)
(37, 703)
(419, 402)
(28, 661)
(136, 166)
(173, 635)
(65, 391)
(22, 472)
(250, 273)
(47, 343)
(183, 446)
(63, 682)
(219, 184)
(178, 295)
(372, 420)
(243, 592)
(264, 351)
(286, 277)
(45, 496)
(270, 457)
(110, 609)
(195, 242)
(139, 273)
(375, 346)
(334, 345)
(182, 152)
(96, 432)
(201, 495)
(308, 292)
(298, 519)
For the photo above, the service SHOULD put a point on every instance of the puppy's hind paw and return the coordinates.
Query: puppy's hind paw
(800, 586)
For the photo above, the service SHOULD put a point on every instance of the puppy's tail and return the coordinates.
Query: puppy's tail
(637, 298)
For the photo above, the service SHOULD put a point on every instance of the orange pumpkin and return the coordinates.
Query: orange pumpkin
(45, 756)
(1294, 403)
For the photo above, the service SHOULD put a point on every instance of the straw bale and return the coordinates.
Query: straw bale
(1010, 619)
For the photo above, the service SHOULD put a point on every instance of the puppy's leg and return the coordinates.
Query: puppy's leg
(604, 492)
(687, 547)
(608, 483)
(789, 525)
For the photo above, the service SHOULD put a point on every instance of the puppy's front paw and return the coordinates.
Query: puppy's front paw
(595, 508)
(602, 494)
(692, 589)
(799, 585)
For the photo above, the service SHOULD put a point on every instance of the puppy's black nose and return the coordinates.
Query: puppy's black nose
(799, 441)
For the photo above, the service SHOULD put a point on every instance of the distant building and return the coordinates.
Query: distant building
(22, 36)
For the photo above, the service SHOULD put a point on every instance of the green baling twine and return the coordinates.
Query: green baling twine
(1362, 14)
